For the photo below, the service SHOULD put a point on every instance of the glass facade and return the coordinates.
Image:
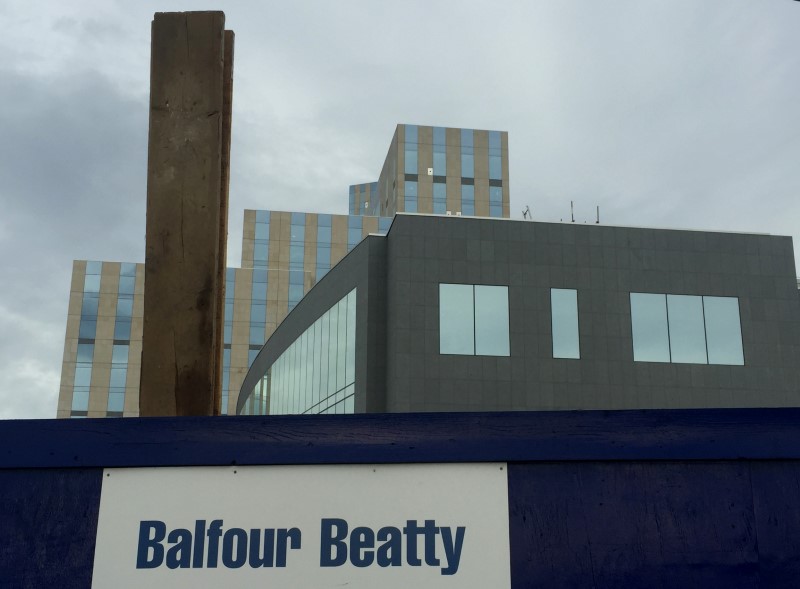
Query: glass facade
(686, 329)
(473, 320)
(316, 374)
(284, 260)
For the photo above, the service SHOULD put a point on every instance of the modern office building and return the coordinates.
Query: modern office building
(476, 314)
(284, 254)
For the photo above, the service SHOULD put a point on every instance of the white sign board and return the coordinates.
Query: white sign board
(294, 527)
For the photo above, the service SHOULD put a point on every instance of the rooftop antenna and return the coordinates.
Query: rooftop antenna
(598, 215)
(572, 211)
(526, 214)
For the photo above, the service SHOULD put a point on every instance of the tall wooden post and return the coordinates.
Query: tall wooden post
(187, 176)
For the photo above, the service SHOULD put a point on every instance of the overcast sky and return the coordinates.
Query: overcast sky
(679, 113)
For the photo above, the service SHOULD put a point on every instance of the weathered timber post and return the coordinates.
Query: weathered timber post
(187, 203)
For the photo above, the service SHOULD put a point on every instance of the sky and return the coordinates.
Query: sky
(678, 114)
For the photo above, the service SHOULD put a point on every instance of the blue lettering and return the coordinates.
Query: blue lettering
(361, 539)
(199, 543)
(179, 556)
(452, 549)
(214, 532)
(258, 557)
(230, 558)
(333, 551)
(146, 542)
(389, 553)
(284, 536)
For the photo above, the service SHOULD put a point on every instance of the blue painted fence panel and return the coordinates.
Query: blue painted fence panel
(653, 499)
(48, 522)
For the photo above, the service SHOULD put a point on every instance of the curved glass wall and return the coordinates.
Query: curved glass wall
(316, 374)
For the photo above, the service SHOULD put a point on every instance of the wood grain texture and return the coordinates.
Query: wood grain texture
(184, 185)
(391, 438)
(48, 524)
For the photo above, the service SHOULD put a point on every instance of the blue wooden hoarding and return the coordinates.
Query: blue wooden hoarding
(689, 498)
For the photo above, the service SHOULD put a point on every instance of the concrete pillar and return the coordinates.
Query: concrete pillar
(186, 215)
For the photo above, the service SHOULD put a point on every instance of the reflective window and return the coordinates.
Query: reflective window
(439, 136)
(124, 306)
(354, 230)
(564, 311)
(687, 338)
(410, 160)
(723, 330)
(258, 313)
(94, 267)
(87, 329)
(127, 269)
(89, 306)
(473, 320)
(411, 134)
(686, 329)
(259, 292)
(411, 196)
(494, 140)
(80, 400)
(467, 154)
(456, 319)
(467, 165)
(316, 374)
(324, 234)
(439, 161)
(118, 376)
(495, 168)
(649, 326)
(122, 329)
(491, 320)
(119, 354)
(383, 224)
(83, 376)
(439, 198)
(91, 283)
(85, 353)
(127, 285)
(467, 199)
(116, 402)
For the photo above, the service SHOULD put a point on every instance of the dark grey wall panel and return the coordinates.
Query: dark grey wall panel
(605, 264)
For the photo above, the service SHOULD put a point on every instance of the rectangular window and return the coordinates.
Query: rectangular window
(127, 285)
(723, 330)
(354, 230)
(456, 319)
(439, 161)
(439, 136)
(467, 199)
(473, 320)
(649, 324)
(491, 320)
(686, 329)
(411, 197)
(687, 337)
(439, 198)
(564, 311)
